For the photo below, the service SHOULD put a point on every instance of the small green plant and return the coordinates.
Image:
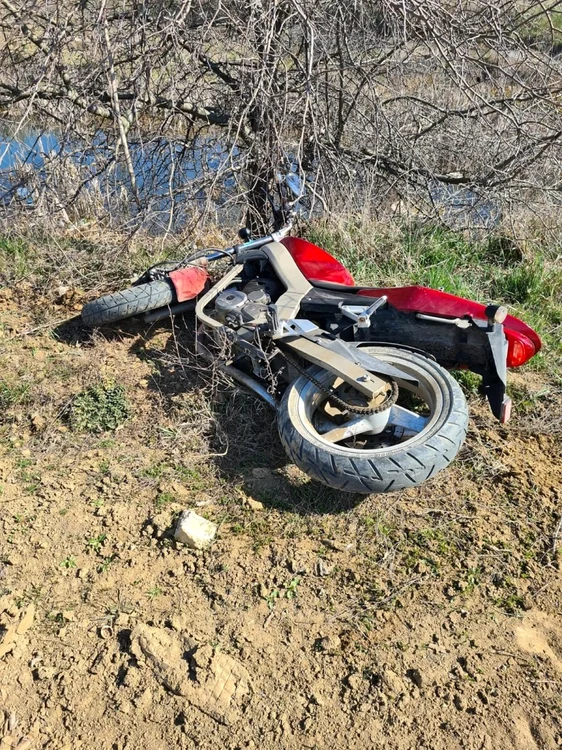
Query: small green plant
(191, 478)
(106, 443)
(99, 408)
(154, 592)
(291, 590)
(12, 394)
(105, 564)
(511, 603)
(468, 381)
(17, 255)
(104, 467)
(271, 598)
(95, 543)
(163, 499)
(32, 594)
(156, 471)
(470, 581)
(68, 562)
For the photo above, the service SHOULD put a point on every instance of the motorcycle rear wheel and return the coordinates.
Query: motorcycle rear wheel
(421, 439)
(134, 301)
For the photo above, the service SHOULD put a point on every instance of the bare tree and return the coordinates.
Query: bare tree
(427, 104)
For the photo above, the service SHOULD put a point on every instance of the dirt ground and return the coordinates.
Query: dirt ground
(428, 618)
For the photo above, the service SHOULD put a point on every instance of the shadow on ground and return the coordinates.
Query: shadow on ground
(254, 459)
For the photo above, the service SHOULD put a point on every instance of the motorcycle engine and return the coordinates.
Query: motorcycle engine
(235, 307)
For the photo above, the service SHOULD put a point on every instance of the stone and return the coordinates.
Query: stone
(354, 681)
(330, 645)
(392, 682)
(323, 568)
(38, 421)
(194, 531)
(254, 504)
(144, 699)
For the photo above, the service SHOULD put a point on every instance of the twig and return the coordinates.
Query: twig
(556, 535)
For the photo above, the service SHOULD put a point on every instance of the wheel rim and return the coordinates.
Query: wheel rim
(417, 411)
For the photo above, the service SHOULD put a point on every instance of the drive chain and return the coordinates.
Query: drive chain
(365, 410)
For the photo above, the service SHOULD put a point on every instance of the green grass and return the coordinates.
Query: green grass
(540, 25)
(12, 394)
(494, 269)
(16, 257)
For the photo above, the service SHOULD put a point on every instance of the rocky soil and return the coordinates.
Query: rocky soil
(423, 619)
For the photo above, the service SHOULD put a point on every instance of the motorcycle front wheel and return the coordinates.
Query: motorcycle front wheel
(127, 303)
(414, 439)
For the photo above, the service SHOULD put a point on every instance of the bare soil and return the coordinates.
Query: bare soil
(428, 618)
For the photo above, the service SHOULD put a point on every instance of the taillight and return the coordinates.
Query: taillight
(520, 349)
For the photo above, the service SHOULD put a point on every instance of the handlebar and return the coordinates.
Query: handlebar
(239, 251)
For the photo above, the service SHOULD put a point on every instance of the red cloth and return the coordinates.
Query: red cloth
(189, 282)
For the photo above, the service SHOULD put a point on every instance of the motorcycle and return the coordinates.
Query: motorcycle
(359, 376)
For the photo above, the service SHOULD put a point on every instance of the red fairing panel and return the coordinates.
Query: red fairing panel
(315, 263)
(523, 342)
(189, 282)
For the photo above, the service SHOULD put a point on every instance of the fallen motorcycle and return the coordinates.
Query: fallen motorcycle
(358, 376)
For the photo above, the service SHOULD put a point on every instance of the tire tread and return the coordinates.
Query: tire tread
(406, 468)
(127, 303)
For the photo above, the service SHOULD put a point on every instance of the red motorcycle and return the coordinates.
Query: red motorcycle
(358, 376)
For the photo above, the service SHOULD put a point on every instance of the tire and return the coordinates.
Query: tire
(129, 302)
(389, 467)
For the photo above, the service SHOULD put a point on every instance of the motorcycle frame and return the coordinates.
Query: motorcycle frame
(288, 331)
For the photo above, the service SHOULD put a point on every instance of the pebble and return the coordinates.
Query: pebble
(323, 568)
(144, 699)
(392, 682)
(330, 644)
(354, 680)
(195, 531)
(254, 504)
(38, 421)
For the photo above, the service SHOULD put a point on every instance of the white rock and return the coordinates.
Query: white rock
(194, 530)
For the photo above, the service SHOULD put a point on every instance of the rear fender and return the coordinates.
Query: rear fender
(522, 341)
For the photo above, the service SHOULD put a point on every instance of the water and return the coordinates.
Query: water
(462, 207)
(172, 179)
